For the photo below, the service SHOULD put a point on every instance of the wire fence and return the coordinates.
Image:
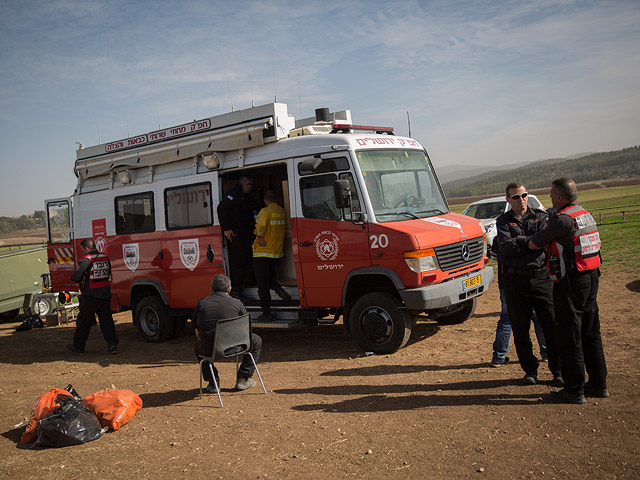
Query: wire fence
(620, 216)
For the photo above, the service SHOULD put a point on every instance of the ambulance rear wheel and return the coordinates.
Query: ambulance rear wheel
(43, 307)
(153, 321)
(380, 323)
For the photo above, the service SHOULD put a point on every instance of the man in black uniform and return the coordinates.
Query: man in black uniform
(93, 273)
(573, 246)
(219, 306)
(236, 214)
(526, 282)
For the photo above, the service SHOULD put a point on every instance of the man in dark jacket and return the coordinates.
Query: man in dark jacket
(573, 243)
(236, 215)
(219, 306)
(526, 282)
(93, 274)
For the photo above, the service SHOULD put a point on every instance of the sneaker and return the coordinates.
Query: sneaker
(265, 318)
(500, 361)
(589, 391)
(567, 397)
(211, 388)
(112, 349)
(72, 347)
(557, 381)
(530, 379)
(245, 383)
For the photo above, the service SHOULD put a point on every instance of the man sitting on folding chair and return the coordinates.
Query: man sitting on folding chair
(209, 310)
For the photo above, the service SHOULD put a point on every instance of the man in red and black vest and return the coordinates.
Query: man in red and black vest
(573, 258)
(93, 274)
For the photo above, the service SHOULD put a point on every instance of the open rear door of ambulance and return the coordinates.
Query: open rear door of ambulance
(60, 244)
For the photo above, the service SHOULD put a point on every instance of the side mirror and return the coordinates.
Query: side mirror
(309, 165)
(342, 193)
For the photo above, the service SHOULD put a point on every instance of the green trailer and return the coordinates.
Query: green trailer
(21, 270)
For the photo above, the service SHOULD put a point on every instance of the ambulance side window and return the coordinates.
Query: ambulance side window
(135, 214)
(317, 197)
(188, 206)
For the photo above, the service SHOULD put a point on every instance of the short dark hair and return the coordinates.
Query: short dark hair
(220, 283)
(88, 244)
(566, 187)
(270, 196)
(513, 185)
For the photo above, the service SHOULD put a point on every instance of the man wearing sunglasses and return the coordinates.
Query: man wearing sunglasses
(573, 245)
(527, 286)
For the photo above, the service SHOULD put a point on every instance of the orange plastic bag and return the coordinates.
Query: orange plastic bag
(114, 408)
(45, 404)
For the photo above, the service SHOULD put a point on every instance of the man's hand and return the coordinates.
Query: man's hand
(533, 246)
(229, 234)
(261, 241)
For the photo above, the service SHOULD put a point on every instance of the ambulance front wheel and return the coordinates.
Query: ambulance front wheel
(380, 323)
(153, 321)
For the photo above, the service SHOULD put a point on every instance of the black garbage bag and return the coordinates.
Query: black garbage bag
(71, 424)
(32, 322)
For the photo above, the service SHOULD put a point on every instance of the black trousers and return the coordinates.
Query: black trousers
(578, 330)
(89, 307)
(265, 272)
(523, 295)
(240, 254)
(246, 369)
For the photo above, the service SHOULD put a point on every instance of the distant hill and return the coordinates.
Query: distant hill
(582, 168)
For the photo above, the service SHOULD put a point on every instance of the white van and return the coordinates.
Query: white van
(489, 209)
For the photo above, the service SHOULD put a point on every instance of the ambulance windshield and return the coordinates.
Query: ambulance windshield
(401, 184)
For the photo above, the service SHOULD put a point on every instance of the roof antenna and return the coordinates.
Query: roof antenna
(251, 85)
(273, 66)
(409, 123)
(299, 94)
(229, 88)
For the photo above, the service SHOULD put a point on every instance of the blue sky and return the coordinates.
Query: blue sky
(485, 83)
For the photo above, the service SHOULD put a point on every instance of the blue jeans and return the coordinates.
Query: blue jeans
(503, 332)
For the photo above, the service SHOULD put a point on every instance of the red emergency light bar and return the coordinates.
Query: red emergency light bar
(347, 128)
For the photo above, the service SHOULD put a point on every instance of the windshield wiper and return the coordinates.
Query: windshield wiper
(409, 214)
(433, 210)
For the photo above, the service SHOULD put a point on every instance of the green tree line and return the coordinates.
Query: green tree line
(595, 167)
(24, 222)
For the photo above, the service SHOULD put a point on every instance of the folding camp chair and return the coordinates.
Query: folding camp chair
(232, 337)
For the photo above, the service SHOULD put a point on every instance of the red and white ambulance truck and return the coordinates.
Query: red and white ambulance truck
(370, 237)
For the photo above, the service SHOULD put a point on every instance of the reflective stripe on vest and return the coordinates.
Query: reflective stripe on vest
(99, 272)
(586, 244)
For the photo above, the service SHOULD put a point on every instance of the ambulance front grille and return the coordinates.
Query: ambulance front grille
(457, 255)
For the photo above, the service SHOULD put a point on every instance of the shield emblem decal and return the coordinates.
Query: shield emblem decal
(189, 253)
(131, 255)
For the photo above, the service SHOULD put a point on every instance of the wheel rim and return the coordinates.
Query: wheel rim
(42, 307)
(149, 321)
(376, 324)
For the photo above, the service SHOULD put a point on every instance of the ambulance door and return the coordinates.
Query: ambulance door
(60, 246)
(329, 244)
(191, 244)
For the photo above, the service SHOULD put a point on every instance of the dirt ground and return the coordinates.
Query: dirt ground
(435, 409)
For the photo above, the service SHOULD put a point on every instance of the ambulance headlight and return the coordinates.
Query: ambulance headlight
(421, 260)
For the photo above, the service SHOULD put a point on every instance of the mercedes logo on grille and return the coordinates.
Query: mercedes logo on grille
(465, 252)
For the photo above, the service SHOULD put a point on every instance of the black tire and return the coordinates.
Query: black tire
(380, 323)
(10, 316)
(153, 321)
(457, 313)
(43, 307)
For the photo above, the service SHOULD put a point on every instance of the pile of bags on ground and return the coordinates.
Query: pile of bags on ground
(61, 418)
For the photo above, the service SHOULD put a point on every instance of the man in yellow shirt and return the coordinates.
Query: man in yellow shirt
(271, 226)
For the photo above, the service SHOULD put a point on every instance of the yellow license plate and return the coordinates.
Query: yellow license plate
(472, 282)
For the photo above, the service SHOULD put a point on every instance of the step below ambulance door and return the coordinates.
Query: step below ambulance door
(329, 244)
(60, 244)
